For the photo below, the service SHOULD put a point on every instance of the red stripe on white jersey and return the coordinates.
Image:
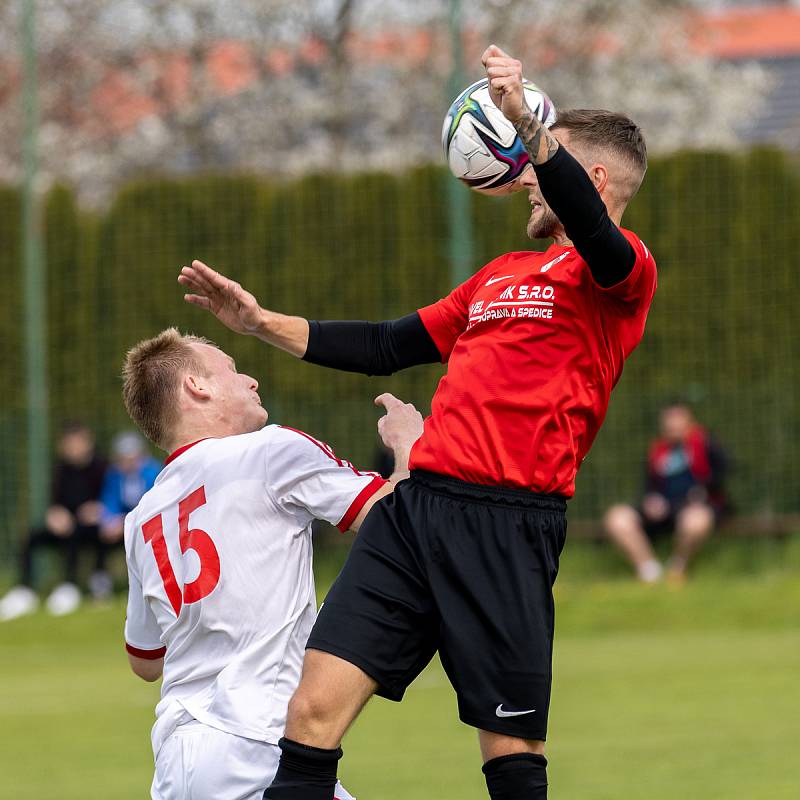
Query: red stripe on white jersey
(328, 450)
(361, 500)
(175, 453)
(150, 655)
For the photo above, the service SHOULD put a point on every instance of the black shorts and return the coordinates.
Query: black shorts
(656, 530)
(464, 569)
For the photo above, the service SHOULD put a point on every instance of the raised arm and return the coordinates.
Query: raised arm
(239, 310)
(370, 348)
(564, 183)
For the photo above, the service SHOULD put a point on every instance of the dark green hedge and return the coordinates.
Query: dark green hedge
(725, 230)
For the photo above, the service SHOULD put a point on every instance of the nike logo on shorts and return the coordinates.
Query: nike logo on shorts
(495, 280)
(500, 713)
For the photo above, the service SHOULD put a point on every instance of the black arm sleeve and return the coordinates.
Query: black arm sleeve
(372, 348)
(570, 193)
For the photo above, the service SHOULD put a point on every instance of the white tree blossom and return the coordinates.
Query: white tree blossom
(282, 87)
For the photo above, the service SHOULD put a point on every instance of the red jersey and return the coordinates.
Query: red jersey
(534, 347)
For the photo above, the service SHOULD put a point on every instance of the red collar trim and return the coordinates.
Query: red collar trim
(173, 455)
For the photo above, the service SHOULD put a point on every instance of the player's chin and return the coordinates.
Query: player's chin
(534, 229)
(540, 226)
(257, 419)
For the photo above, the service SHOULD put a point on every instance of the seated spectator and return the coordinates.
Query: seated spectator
(71, 523)
(131, 474)
(683, 495)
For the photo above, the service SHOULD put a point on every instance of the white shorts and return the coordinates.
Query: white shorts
(197, 762)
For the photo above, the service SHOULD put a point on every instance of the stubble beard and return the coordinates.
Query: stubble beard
(545, 224)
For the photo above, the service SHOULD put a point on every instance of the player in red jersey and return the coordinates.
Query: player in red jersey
(462, 558)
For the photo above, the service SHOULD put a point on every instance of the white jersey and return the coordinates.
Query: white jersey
(221, 582)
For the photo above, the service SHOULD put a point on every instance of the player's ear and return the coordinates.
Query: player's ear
(599, 175)
(196, 387)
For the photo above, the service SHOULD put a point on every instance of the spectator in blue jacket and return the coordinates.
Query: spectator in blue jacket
(131, 474)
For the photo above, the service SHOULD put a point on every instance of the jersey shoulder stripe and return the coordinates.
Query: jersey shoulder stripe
(328, 450)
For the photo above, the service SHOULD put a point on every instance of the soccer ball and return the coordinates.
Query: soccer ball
(480, 144)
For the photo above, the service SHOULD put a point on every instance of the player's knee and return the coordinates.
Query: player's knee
(309, 707)
(495, 745)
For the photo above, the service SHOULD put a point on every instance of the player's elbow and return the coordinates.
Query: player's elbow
(149, 670)
(150, 673)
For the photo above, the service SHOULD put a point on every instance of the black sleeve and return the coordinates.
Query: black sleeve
(570, 193)
(372, 348)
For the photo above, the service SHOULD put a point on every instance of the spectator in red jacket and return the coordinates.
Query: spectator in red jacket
(683, 495)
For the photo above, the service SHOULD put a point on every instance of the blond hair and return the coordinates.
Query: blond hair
(151, 379)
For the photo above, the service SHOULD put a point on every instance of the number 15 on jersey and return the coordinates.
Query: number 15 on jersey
(190, 539)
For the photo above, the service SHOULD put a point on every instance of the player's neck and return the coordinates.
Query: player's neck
(561, 239)
(187, 438)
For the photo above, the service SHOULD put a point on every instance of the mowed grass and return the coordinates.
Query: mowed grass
(658, 694)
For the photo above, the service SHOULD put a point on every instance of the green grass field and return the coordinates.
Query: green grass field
(658, 694)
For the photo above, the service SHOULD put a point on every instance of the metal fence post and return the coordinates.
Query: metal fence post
(460, 236)
(34, 283)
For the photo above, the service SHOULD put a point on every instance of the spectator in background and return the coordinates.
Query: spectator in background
(684, 494)
(71, 522)
(131, 474)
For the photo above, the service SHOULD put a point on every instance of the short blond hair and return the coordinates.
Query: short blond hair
(151, 379)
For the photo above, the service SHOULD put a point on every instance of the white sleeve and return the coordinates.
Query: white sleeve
(305, 474)
(142, 633)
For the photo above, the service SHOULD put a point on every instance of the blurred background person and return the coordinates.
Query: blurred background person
(684, 495)
(71, 523)
(383, 460)
(132, 472)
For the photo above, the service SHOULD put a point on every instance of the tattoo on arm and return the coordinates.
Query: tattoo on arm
(538, 141)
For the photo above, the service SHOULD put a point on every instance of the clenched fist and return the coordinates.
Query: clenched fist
(505, 83)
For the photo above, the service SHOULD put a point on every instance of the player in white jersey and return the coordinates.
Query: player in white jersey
(221, 595)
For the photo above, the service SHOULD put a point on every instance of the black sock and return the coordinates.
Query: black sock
(522, 776)
(304, 772)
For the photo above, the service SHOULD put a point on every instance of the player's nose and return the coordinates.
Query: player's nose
(527, 177)
(252, 383)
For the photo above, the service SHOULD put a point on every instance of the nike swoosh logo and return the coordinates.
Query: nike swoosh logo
(494, 280)
(554, 261)
(500, 713)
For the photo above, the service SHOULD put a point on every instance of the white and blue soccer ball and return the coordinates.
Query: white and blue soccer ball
(480, 144)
